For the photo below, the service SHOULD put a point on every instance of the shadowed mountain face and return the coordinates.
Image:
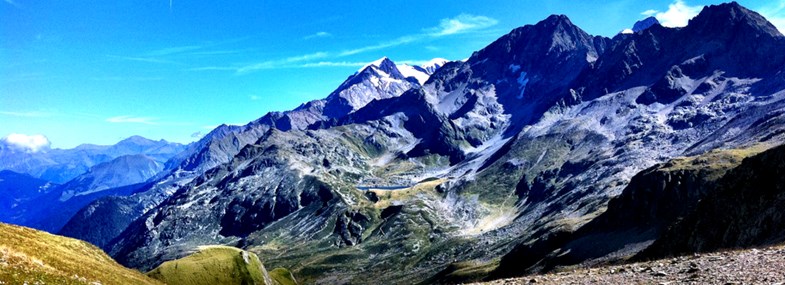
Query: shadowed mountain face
(49, 210)
(523, 143)
(16, 190)
(744, 210)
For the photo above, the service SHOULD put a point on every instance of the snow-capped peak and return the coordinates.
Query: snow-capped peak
(432, 65)
(414, 71)
(422, 72)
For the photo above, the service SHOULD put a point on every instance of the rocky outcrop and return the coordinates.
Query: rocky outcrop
(744, 211)
(653, 200)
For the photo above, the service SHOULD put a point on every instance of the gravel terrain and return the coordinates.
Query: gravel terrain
(753, 266)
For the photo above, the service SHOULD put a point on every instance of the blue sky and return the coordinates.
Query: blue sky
(88, 71)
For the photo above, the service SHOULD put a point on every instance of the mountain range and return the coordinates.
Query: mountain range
(61, 165)
(109, 170)
(549, 147)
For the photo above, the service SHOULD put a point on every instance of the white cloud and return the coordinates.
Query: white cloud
(775, 13)
(133, 119)
(649, 13)
(778, 22)
(29, 143)
(318, 35)
(678, 14)
(627, 31)
(461, 24)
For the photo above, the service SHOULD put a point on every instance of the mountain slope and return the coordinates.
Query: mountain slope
(219, 265)
(380, 79)
(121, 171)
(33, 257)
(745, 210)
(653, 201)
(16, 190)
(529, 138)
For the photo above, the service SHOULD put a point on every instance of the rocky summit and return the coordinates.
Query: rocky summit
(550, 148)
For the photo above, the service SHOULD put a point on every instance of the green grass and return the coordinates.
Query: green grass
(29, 256)
(220, 265)
(282, 276)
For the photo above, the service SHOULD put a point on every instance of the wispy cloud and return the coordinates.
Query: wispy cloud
(270, 64)
(677, 15)
(174, 50)
(318, 35)
(333, 64)
(143, 59)
(12, 3)
(463, 23)
(126, 78)
(775, 13)
(218, 52)
(29, 114)
(133, 119)
(393, 43)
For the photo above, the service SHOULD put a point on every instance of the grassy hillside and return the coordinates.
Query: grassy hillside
(29, 256)
(220, 265)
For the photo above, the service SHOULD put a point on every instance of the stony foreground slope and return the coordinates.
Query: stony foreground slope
(753, 266)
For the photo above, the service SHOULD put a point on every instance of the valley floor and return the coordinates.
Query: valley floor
(752, 266)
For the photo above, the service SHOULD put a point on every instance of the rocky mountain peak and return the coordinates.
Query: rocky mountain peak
(384, 64)
(645, 24)
(728, 17)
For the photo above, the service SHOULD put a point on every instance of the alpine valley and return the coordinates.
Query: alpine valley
(546, 149)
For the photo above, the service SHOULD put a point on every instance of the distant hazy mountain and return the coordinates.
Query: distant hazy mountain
(94, 171)
(121, 171)
(51, 209)
(62, 165)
